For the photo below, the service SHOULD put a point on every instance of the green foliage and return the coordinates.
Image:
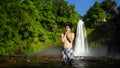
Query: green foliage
(110, 7)
(26, 27)
(102, 23)
(95, 16)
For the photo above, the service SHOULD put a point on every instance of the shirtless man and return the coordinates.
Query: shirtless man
(67, 40)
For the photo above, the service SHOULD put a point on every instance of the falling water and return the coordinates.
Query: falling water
(81, 45)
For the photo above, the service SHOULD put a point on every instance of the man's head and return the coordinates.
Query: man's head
(68, 27)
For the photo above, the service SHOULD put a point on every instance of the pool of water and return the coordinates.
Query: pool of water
(50, 58)
(56, 63)
(96, 64)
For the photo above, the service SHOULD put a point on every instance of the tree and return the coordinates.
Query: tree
(110, 7)
(28, 26)
(102, 23)
(95, 16)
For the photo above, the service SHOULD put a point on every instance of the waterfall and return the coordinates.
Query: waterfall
(81, 45)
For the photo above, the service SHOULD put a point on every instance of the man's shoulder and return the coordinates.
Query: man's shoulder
(72, 33)
(62, 34)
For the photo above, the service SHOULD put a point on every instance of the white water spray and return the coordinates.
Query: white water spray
(81, 45)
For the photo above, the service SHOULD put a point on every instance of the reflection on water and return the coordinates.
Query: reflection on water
(51, 59)
(96, 64)
(40, 63)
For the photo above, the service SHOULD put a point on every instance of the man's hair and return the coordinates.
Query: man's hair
(68, 24)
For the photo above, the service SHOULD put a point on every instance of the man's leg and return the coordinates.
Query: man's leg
(70, 56)
(64, 57)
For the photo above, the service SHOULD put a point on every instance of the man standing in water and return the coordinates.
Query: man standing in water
(67, 39)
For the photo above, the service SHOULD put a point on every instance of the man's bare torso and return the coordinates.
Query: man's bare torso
(67, 42)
